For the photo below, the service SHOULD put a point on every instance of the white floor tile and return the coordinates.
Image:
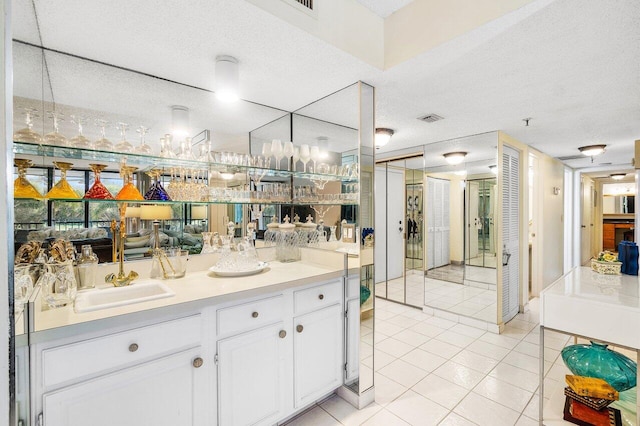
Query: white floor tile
(503, 393)
(459, 374)
(394, 347)
(440, 390)
(387, 329)
(443, 349)
(346, 413)
(316, 417)
(485, 412)
(456, 339)
(411, 337)
(381, 359)
(417, 410)
(477, 362)
(424, 360)
(440, 322)
(499, 340)
(526, 421)
(455, 420)
(404, 373)
(403, 321)
(427, 329)
(488, 349)
(467, 330)
(385, 418)
(387, 390)
(516, 376)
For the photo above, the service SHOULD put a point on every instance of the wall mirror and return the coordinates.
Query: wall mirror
(461, 207)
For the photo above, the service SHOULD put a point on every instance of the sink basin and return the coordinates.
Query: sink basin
(137, 292)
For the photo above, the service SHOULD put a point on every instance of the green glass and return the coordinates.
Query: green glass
(596, 360)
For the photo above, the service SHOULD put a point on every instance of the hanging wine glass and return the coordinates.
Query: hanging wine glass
(98, 191)
(27, 134)
(123, 145)
(62, 189)
(80, 141)
(129, 190)
(103, 144)
(296, 157)
(305, 156)
(315, 156)
(276, 151)
(288, 151)
(22, 188)
(143, 148)
(156, 191)
(55, 137)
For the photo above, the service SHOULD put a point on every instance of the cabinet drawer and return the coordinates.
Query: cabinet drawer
(250, 315)
(318, 297)
(70, 362)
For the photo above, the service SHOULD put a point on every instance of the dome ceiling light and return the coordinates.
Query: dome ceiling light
(618, 176)
(383, 136)
(592, 150)
(454, 158)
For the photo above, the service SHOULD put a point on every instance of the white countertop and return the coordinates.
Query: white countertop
(203, 286)
(601, 307)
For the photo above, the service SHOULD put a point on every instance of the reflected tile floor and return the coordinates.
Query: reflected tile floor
(431, 371)
(461, 299)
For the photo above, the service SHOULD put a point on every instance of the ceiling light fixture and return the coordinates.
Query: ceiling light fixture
(179, 121)
(227, 175)
(592, 150)
(618, 176)
(323, 144)
(383, 136)
(460, 172)
(227, 78)
(494, 169)
(454, 158)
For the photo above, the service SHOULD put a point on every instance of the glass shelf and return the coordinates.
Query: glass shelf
(146, 162)
(261, 202)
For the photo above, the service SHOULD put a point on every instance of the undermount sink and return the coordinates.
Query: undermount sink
(137, 292)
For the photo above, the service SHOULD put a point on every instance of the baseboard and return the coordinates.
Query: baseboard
(359, 401)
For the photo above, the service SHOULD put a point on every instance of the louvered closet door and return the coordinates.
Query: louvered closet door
(430, 223)
(446, 222)
(438, 222)
(510, 232)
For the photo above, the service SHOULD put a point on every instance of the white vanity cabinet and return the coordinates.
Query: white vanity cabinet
(159, 374)
(279, 354)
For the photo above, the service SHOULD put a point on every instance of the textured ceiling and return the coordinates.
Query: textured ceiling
(384, 8)
(571, 65)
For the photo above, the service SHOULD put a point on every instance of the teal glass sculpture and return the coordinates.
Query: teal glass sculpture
(596, 360)
(365, 293)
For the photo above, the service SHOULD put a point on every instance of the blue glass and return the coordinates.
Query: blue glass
(156, 192)
(596, 360)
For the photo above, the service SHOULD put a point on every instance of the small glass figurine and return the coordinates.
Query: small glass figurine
(98, 191)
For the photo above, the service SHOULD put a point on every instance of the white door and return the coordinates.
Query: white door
(166, 392)
(252, 377)
(438, 222)
(390, 223)
(510, 232)
(586, 224)
(473, 219)
(318, 354)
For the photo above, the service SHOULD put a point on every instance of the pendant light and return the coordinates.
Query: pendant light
(227, 78)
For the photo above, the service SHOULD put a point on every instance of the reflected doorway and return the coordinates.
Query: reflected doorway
(480, 253)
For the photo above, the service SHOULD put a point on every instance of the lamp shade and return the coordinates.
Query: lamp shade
(227, 78)
(132, 212)
(154, 212)
(198, 212)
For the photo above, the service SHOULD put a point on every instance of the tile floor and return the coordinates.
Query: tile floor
(460, 299)
(431, 371)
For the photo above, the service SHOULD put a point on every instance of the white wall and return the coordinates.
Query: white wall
(552, 226)
(456, 218)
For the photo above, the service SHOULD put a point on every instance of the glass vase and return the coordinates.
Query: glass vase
(596, 360)
(62, 189)
(87, 268)
(98, 191)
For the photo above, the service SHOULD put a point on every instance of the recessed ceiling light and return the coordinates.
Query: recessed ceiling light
(592, 150)
(454, 158)
(618, 176)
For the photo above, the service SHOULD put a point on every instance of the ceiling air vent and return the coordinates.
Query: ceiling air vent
(430, 118)
(305, 3)
(571, 157)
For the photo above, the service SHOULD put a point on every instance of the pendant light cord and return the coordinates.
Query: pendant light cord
(45, 65)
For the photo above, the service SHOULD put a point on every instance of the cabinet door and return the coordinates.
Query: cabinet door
(169, 391)
(318, 354)
(252, 377)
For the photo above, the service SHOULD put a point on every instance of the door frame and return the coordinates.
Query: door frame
(535, 237)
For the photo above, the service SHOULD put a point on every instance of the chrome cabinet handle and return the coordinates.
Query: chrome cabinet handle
(254, 315)
(299, 328)
(197, 363)
(282, 334)
(133, 347)
(321, 297)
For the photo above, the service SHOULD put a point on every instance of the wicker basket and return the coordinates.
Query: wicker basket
(607, 268)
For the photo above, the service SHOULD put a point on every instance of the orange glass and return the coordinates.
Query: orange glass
(62, 189)
(128, 191)
(98, 191)
(22, 188)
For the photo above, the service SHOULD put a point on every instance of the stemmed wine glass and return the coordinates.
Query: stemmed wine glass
(288, 152)
(55, 137)
(276, 151)
(305, 156)
(266, 150)
(296, 157)
(27, 134)
(165, 147)
(80, 140)
(103, 144)
(143, 148)
(315, 156)
(123, 145)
